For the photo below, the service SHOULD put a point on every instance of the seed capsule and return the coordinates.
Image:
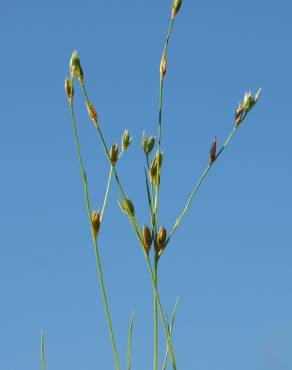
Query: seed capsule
(126, 140)
(95, 222)
(69, 89)
(75, 67)
(150, 144)
(114, 153)
(92, 113)
(163, 66)
(160, 240)
(147, 238)
(128, 207)
(213, 150)
(176, 7)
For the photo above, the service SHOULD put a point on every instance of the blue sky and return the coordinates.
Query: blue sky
(229, 263)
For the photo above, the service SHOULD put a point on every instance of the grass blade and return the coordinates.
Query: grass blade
(170, 332)
(42, 350)
(130, 342)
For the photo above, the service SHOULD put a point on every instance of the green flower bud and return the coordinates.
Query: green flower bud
(75, 67)
(144, 142)
(92, 113)
(126, 140)
(127, 207)
(150, 144)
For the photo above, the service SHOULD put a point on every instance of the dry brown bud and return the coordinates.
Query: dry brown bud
(95, 222)
(160, 240)
(114, 153)
(163, 66)
(69, 89)
(176, 7)
(213, 150)
(147, 238)
(92, 113)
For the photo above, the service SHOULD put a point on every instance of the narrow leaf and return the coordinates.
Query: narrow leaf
(130, 342)
(170, 332)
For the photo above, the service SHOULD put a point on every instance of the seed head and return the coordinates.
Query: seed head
(176, 7)
(160, 241)
(147, 238)
(127, 207)
(114, 153)
(126, 140)
(163, 66)
(95, 222)
(75, 67)
(69, 89)
(213, 151)
(92, 113)
(150, 144)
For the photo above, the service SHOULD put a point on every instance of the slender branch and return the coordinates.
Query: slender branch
(94, 240)
(106, 192)
(199, 183)
(170, 332)
(155, 314)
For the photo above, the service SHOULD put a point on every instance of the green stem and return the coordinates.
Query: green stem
(170, 332)
(100, 275)
(130, 342)
(155, 314)
(106, 193)
(199, 183)
(160, 123)
(42, 350)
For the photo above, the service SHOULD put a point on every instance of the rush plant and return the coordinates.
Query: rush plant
(152, 236)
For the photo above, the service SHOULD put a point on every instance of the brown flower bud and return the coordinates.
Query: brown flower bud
(114, 153)
(176, 7)
(160, 240)
(69, 89)
(147, 238)
(92, 113)
(163, 66)
(213, 150)
(95, 222)
(238, 114)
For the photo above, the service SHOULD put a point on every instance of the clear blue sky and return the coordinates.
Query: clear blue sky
(230, 263)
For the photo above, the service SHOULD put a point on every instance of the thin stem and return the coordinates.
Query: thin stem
(130, 342)
(137, 230)
(42, 350)
(100, 275)
(161, 85)
(155, 314)
(106, 192)
(170, 332)
(199, 183)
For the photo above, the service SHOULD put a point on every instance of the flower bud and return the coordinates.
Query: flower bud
(160, 240)
(147, 238)
(213, 150)
(69, 89)
(238, 114)
(92, 113)
(150, 144)
(114, 153)
(127, 207)
(144, 142)
(95, 222)
(126, 140)
(176, 7)
(247, 101)
(75, 66)
(163, 66)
